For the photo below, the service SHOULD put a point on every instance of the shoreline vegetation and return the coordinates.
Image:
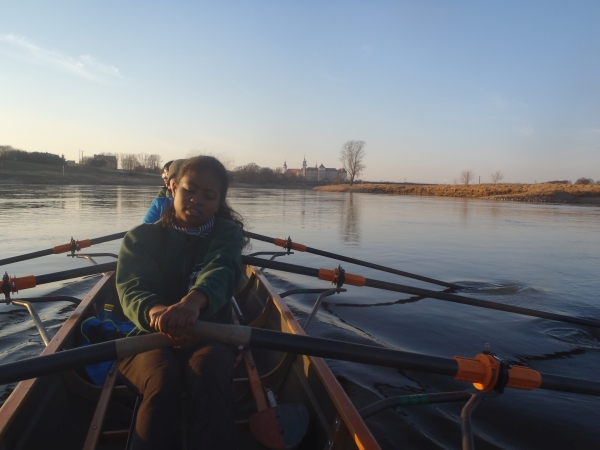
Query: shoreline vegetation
(19, 172)
(539, 192)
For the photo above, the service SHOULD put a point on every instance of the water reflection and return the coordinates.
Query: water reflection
(464, 210)
(350, 220)
(538, 256)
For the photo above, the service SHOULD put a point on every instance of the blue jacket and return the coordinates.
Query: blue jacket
(157, 208)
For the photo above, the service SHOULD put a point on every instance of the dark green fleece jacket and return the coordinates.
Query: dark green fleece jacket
(160, 265)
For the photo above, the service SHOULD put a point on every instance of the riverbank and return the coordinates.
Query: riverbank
(17, 172)
(541, 192)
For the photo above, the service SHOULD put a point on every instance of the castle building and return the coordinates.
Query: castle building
(320, 173)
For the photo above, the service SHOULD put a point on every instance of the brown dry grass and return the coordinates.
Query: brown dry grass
(541, 192)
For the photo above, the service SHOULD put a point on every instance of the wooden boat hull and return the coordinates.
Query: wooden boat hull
(58, 410)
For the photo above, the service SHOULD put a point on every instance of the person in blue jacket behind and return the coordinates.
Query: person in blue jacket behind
(160, 204)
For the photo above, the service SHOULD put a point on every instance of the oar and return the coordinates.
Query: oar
(481, 370)
(289, 245)
(357, 280)
(77, 245)
(330, 275)
(30, 281)
(277, 427)
(71, 246)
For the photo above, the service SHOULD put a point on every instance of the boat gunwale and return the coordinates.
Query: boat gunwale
(348, 413)
(18, 397)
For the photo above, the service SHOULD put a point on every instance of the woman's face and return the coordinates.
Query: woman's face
(196, 198)
(165, 177)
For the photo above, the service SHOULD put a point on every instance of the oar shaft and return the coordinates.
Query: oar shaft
(566, 384)
(71, 359)
(267, 339)
(25, 257)
(52, 251)
(110, 237)
(480, 303)
(276, 265)
(358, 262)
(347, 351)
(394, 287)
(75, 273)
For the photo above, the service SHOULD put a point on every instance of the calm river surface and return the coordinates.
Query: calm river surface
(534, 255)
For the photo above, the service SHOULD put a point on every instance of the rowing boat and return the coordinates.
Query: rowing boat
(297, 387)
(66, 410)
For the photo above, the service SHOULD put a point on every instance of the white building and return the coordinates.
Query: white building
(320, 173)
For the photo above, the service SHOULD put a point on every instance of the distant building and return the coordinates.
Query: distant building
(320, 173)
(110, 161)
(70, 162)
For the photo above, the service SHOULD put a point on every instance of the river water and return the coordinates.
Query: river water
(540, 256)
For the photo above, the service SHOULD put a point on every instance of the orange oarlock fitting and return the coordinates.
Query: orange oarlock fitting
(71, 246)
(20, 283)
(349, 278)
(521, 377)
(294, 246)
(482, 371)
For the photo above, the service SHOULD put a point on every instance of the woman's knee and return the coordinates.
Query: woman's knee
(212, 359)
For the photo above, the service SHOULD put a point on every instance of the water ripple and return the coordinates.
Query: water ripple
(578, 337)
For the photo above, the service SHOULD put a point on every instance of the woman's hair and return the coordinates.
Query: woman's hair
(166, 166)
(214, 166)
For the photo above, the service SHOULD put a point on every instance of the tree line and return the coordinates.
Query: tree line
(254, 174)
(467, 176)
(141, 162)
(8, 153)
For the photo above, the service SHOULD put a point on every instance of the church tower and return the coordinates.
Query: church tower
(303, 172)
(284, 166)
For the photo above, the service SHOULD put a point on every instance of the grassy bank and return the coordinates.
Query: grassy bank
(541, 192)
(17, 172)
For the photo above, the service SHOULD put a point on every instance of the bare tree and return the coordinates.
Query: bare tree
(153, 162)
(466, 177)
(352, 155)
(584, 181)
(143, 160)
(497, 176)
(129, 161)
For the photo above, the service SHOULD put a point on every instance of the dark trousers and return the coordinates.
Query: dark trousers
(205, 372)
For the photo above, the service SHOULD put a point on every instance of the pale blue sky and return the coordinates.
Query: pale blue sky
(433, 87)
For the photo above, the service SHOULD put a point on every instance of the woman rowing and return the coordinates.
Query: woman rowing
(170, 274)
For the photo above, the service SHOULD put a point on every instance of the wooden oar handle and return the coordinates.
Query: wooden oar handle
(228, 334)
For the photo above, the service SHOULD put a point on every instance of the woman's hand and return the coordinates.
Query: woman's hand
(155, 313)
(177, 321)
